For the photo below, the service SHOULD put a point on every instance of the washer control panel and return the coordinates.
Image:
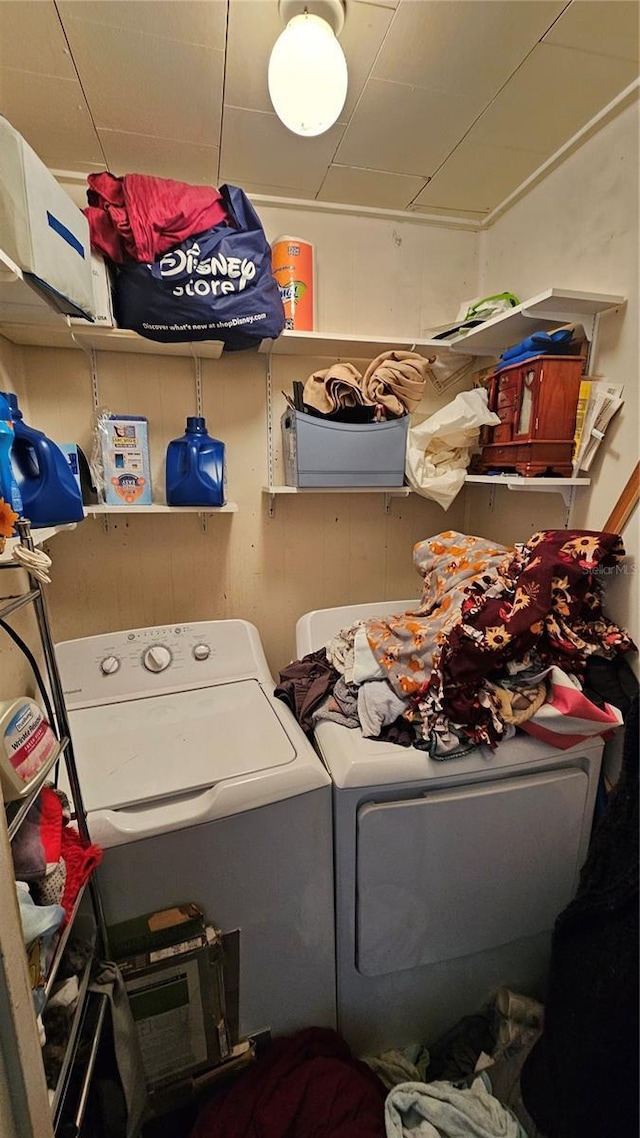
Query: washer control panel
(133, 662)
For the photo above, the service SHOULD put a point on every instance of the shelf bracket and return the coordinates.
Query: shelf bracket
(565, 492)
(387, 503)
(272, 505)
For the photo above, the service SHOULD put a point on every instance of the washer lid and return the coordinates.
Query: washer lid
(169, 745)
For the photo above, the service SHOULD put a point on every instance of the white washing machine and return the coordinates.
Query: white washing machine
(200, 786)
(449, 874)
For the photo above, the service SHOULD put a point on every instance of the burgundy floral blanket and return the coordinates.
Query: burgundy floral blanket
(485, 606)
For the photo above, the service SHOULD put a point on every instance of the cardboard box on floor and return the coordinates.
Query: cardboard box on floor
(181, 976)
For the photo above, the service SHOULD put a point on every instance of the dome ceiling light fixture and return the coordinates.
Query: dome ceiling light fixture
(307, 68)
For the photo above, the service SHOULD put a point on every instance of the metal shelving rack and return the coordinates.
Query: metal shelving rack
(64, 1112)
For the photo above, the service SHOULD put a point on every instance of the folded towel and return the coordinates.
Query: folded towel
(396, 380)
(336, 387)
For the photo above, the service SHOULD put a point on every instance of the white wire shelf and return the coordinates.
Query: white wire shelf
(547, 310)
(159, 508)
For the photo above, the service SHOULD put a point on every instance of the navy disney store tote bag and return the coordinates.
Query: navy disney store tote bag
(216, 285)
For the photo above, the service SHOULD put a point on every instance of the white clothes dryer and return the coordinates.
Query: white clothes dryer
(449, 874)
(200, 786)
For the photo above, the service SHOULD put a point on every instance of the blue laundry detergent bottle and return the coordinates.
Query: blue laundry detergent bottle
(9, 491)
(195, 474)
(50, 494)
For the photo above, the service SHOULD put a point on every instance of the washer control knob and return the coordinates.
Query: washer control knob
(156, 658)
(202, 652)
(109, 665)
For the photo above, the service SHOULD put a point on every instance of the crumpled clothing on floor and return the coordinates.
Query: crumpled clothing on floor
(406, 1066)
(306, 1085)
(442, 1110)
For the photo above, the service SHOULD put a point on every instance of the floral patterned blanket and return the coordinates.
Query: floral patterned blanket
(485, 606)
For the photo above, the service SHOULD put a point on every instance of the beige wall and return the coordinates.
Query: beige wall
(579, 230)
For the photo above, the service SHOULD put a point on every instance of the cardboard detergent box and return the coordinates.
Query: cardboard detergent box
(125, 460)
(181, 977)
(102, 295)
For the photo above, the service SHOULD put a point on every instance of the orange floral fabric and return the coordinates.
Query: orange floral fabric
(408, 646)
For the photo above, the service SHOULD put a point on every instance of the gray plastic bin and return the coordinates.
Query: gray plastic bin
(323, 452)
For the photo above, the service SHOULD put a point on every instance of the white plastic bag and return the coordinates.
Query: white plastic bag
(439, 449)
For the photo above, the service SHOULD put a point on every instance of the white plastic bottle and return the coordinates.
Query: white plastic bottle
(27, 743)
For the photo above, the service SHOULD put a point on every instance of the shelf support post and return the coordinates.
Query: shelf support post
(270, 459)
(95, 395)
(197, 363)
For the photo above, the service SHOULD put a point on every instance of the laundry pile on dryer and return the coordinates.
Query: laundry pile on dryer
(502, 638)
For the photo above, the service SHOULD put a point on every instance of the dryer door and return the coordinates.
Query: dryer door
(463, 870)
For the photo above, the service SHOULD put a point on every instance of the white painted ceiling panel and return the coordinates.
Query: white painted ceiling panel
(464, 47)
(257, 147)
(52, 115)
(253, 29)
(186, 21)
(162, 157)
(32, 39)
(604, 27)
(148, 84)
(477, 174)
(405, 130)
(451, 103)
(555, 92)
(369, 187)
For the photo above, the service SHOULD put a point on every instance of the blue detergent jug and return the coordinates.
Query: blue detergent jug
(195, 474)
(49, 492)
(9, 491)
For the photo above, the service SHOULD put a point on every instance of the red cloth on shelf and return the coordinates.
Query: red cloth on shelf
(305, 1084)
(51, 824)
(138, 217)
(80, 858)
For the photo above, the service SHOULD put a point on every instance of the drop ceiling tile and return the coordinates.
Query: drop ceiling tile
(606, 27)
(52, 115)
(260, 189)
(379, 3)
(462, 47)
(477, 177)
(369, 187)
(553, 94)
(253, 29)
(405, 130)
(147, 84)
(31, 37)
(364, 31)
(254, 26)
(186, 21)
(258, 148)
(162, 157)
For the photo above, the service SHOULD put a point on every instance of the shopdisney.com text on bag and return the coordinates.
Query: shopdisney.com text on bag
(216, 285)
